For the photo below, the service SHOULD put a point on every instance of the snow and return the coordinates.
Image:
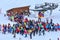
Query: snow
(52, 34)
(8, 36)
(8, 4)
(4, 20)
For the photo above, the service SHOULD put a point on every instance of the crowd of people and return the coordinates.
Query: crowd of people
(29, 27)
(17, 17)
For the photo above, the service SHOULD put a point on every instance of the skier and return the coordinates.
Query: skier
(5, 29)
(9, 28)
(33, 32)
(48, 27)
(22, 30)
(40, 26)
(30, 31)
(17, 30)
(39, 31)
(36, 28)
(25, 32)
(56, 27)
(26, 20)
(52, 27)
(14, 35)
(12, 18)
(14, 30)
(43, 31)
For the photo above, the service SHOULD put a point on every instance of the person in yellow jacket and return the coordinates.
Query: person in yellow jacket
(30, 32)
(12, 18)
(25, 23)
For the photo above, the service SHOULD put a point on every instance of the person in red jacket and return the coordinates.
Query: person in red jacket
(17, 30)
(25, 20)
(9, 14)
(3, 28)
(44, 25)
(25, 32)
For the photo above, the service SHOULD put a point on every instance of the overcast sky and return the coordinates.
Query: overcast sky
(8, 4)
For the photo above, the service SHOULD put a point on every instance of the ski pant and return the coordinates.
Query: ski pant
(36, 30)
(31, 35)
(39, 32)
(43, 32)
(25, 35)
(34, 33)
(22, 32)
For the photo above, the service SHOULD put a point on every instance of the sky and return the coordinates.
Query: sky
(8, 4)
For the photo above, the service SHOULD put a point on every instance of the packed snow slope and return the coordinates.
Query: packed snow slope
(8, 4)
(48, 35)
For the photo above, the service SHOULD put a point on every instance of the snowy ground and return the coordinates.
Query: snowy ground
(4, 20)
(53, 35)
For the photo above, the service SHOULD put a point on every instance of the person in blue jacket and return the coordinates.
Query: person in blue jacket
(56, 27)
(5, 29)
(48, 26)
(10, 29)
